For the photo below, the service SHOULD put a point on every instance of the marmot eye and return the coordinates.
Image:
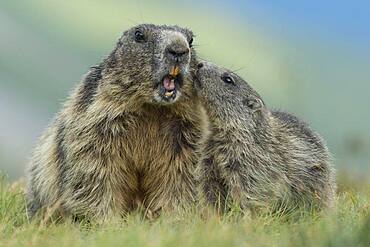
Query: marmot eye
(228, 79)
(139, 36)
(191, 42)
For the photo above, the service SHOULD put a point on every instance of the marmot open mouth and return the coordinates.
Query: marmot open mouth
(170, 83)
(169, 86)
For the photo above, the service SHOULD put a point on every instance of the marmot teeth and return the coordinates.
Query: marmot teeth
(174, 71)
(168, 93)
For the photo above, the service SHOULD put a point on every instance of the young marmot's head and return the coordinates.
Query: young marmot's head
(151, 64)
(228, 99)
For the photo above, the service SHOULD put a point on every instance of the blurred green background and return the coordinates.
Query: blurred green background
(309, 58)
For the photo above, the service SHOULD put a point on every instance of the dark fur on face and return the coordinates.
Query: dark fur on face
(144, 56)
(227, 97)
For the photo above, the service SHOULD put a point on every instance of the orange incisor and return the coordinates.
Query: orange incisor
(174, 71)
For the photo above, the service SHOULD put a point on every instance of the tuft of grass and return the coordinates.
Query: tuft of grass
(347, 225)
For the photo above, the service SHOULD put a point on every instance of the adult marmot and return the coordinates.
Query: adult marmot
(127, 135)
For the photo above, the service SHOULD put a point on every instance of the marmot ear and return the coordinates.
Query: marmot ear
(254, 103)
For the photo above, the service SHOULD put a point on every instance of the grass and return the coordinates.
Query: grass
(347, 225)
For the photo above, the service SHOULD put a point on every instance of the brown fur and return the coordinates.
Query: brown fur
(116, 146)
(256, 157)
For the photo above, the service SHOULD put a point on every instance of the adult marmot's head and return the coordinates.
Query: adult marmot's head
(152, 64)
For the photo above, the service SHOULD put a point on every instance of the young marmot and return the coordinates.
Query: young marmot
(257, 157)
(128, 134)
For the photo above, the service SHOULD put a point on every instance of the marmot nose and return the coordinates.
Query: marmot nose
(177, 53)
